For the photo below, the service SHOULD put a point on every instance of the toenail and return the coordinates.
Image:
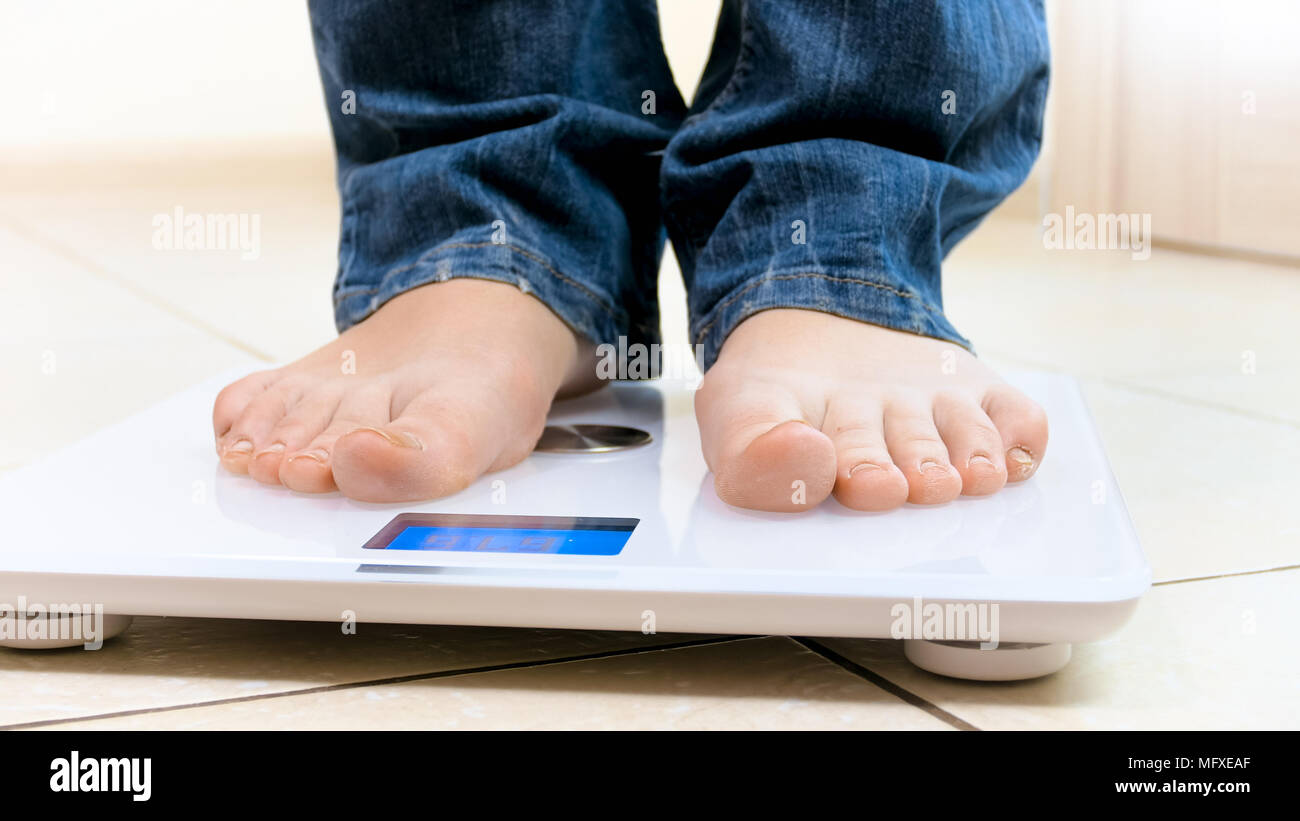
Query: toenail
(238, 448)
(930, 466)
(411, 439)
(274, 447)
(864, 466)
(980, 460)
(1023, 459)
(319, 455)
(400, 438)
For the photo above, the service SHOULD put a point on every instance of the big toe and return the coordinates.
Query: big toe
(431, 450)
(763, 455)
(790, 468)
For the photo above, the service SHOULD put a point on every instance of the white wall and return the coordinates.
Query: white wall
(79, 71)
(156, 70)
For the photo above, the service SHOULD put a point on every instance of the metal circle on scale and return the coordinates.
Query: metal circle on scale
(590, 438)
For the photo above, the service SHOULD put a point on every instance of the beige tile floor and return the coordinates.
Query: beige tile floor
(96, 324)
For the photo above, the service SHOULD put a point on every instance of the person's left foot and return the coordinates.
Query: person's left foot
(802, 404)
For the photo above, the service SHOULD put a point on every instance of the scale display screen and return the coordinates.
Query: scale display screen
(577, 536)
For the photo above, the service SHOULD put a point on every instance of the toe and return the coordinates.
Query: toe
(973, 442)
(437, 447)
(788, 468)
(234, 398)
(866, 478)
(919, 452)
(1022, 425)
(763, 454)
(306, 420)
(250, 430)
(310, 468)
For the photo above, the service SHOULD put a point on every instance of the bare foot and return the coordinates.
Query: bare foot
(440, 385)
(877, 417)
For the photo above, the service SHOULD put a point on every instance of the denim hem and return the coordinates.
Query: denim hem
(581, 309)
(841, 294)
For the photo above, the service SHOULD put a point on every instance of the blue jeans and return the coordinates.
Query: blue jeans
(834, 154)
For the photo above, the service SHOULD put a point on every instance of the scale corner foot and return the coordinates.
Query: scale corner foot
(1009, 661)
(60, 630)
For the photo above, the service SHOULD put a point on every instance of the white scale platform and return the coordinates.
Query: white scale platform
(141, 519)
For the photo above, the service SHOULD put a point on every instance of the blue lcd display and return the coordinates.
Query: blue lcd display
(581, 536)
(502, 540)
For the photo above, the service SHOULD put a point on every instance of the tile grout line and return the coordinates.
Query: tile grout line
(1231, 253)
(1147, 390)
(97, 270)
(1228, 575)
(883, 683)
(352, 685)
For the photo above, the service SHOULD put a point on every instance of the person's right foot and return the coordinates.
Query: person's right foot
(440, 385)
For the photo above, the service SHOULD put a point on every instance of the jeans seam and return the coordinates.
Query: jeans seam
(427, 255)
(925, 192)
(739, 72)
(688, 226)
(349, 224)
(722, 306)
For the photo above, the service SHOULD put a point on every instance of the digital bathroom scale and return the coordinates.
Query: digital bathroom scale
(612, 524)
